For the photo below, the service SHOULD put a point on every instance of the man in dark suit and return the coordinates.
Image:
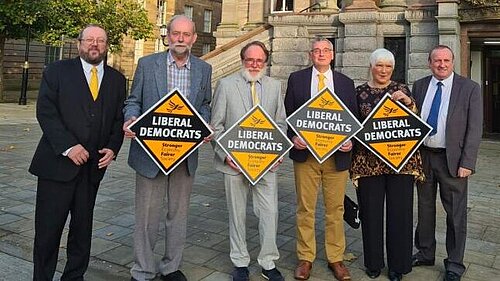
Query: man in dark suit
(79, 109)
(453, 106)
(159, 197)
(309, 174)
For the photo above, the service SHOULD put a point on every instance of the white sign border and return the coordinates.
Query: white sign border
(186, 100)
(345, 109)
(290, 144)
(407, 110)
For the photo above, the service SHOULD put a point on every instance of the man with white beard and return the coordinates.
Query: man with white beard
(234, 96)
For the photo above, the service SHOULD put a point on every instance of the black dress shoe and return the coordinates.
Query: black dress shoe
(451, 276)
(417, 262)
(174, 276)
(394, 276)
(372, 273)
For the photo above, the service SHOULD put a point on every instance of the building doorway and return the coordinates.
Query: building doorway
(492, 90)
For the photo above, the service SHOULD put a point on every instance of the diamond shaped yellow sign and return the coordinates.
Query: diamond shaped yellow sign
(255, 143)
(324, 123)
(393, 132)
(170, 131)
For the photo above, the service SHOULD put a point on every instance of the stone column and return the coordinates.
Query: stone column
(329, 6)
(234, 17)
(360, 39)
(393, 5)
(449, 27)
(229, 19)
(361, 5)
(423, 37)
(255, 14)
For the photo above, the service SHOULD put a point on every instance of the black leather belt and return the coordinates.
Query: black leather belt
(434, 149)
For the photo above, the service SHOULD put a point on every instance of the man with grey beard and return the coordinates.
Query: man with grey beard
(157, 196)
(235, 95)
(79, 109)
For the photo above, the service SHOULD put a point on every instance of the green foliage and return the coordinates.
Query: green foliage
(49, 20)
(15, 15)
(482, 2)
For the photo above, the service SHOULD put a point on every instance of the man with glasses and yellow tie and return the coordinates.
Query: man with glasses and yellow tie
(234, 96)
(79, 109)
(331, 176)
(453, 106)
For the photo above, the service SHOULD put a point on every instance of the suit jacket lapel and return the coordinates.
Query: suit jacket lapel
(106, 94)
(195, 80)
(263, 96)
(420, 96)
(81, 96)
(306, 87)
(161, 75)
(243, 91)
(454, 95)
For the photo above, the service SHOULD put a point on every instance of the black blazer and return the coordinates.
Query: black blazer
(298, 92)
(464, 122)
(63, 114)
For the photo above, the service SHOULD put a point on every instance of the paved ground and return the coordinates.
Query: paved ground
(206, 253)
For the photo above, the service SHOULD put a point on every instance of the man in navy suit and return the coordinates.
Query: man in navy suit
(79, 109)
(453, 105)
(159, 197)
(331, 175)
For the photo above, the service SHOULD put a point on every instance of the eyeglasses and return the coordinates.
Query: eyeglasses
(318, 51)
(98, 41)
(252, 61)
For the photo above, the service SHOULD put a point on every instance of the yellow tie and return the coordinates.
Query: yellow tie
(94, 83)
(255, 97)
(321, 81)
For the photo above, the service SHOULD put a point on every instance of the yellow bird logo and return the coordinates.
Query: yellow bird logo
(172, 106)
(324, 102)
(389, 110)
(256, 121)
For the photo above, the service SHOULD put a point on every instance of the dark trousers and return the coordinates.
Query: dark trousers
(398, 192)
(54, 201)
(453, 193)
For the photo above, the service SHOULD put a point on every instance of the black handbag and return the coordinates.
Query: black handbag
(351, 212)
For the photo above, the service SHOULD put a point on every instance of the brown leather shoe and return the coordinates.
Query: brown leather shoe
(339, 271)
(303, 270)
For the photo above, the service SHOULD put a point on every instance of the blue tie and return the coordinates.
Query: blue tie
(432, 119)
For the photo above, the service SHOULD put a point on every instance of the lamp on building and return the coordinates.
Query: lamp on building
(163, 34)
(26, 66)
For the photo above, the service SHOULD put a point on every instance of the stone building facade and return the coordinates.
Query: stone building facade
(205, 13)
(409, 28)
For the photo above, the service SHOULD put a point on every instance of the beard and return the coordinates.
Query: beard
(252, 77)
(179, 50)
(91, 58)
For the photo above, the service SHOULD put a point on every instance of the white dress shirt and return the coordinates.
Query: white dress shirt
(314, 80)
(439, 139)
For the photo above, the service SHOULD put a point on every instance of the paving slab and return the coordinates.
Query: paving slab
(207, 250)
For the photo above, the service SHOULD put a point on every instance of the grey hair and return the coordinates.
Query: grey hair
(381, 54)
(169, 24)
(321, 39)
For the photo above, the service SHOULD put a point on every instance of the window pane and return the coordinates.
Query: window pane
(207, 23)
(281, 5)
(206, 48)
(397, 45)
(188, 11)
(161, 15)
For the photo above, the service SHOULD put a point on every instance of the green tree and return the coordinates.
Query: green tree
(482, 2)
(51, 20)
